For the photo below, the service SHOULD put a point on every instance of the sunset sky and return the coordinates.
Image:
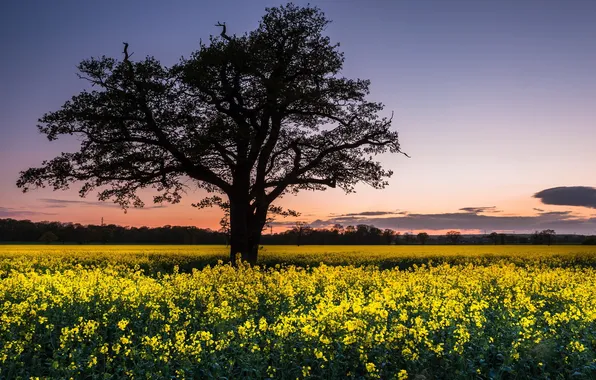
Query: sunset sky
(495, 102)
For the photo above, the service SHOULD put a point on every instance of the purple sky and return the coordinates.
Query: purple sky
(494, 100)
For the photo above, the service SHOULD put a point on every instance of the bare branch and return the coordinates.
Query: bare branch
(223, 31)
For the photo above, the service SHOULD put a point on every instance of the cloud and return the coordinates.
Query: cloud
(581, 196)
(61, 203)
(372, 213)
(556, 213)
(561, 221)
(6, 212)
(477, 210)
(288, 223)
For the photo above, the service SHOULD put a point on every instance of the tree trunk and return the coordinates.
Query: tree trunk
(246, 229)
(244, 248)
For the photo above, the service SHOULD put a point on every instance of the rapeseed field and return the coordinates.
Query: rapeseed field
(407, 312)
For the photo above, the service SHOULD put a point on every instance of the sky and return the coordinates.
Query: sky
(495, 102)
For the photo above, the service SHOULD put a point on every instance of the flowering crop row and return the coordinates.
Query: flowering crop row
(155, 258)
(498, 320)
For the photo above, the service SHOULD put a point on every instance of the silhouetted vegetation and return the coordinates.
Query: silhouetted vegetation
(249, 117)
(454, 237)
(48, 237)
(25, 231)
(422, 237)
(544, 237)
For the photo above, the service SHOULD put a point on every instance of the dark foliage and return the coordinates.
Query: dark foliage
(453, 237)
(48, 237)
(544, 237)
(249, 117)
(25, 231)
(422, 237)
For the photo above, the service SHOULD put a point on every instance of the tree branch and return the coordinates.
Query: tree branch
(223, 31)
(198, 172)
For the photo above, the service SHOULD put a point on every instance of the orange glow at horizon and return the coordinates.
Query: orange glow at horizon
(322, 207)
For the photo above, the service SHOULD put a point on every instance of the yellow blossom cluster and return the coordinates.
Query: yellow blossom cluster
(163, 258)
(98, 315)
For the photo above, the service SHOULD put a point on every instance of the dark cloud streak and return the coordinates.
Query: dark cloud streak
(370, 213)
(562, 222)
(478, 210)
(581, 196)
(6, 212)
(62, 203)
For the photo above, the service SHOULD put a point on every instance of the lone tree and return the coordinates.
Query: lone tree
(248, 118)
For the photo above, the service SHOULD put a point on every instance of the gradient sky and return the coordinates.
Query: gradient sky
(494, 101)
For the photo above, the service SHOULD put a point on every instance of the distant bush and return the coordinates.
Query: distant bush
(590, 241)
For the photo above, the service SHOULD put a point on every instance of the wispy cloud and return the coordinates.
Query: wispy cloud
(287, 223)
(478, 210)
(62, 203)
(371, 213)
(484, 218)
(582, 196)
(561, 221)
(557, 213)
(7, 212)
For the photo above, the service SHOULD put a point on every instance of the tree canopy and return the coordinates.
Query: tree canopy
(250, 118)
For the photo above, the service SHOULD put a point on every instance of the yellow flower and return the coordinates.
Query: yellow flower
(92, 361)
(306, 371)
(542, 298)
(122, 324)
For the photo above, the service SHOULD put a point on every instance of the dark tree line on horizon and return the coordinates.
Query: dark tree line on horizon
(26, 231)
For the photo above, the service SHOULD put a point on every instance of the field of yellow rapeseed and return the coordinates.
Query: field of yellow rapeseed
(332, 312)
(163, 258)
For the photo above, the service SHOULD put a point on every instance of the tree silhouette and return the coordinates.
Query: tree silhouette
(422, 237)
(389, 236)
(548, 236)
(502, 238)
(300, 228)
(48, 237)
(409, 238)
(337, 229)
(453, 236)
(494, 236)
(249, 117)
(224, 226)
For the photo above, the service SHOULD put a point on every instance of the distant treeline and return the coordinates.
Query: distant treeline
(26, 231)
